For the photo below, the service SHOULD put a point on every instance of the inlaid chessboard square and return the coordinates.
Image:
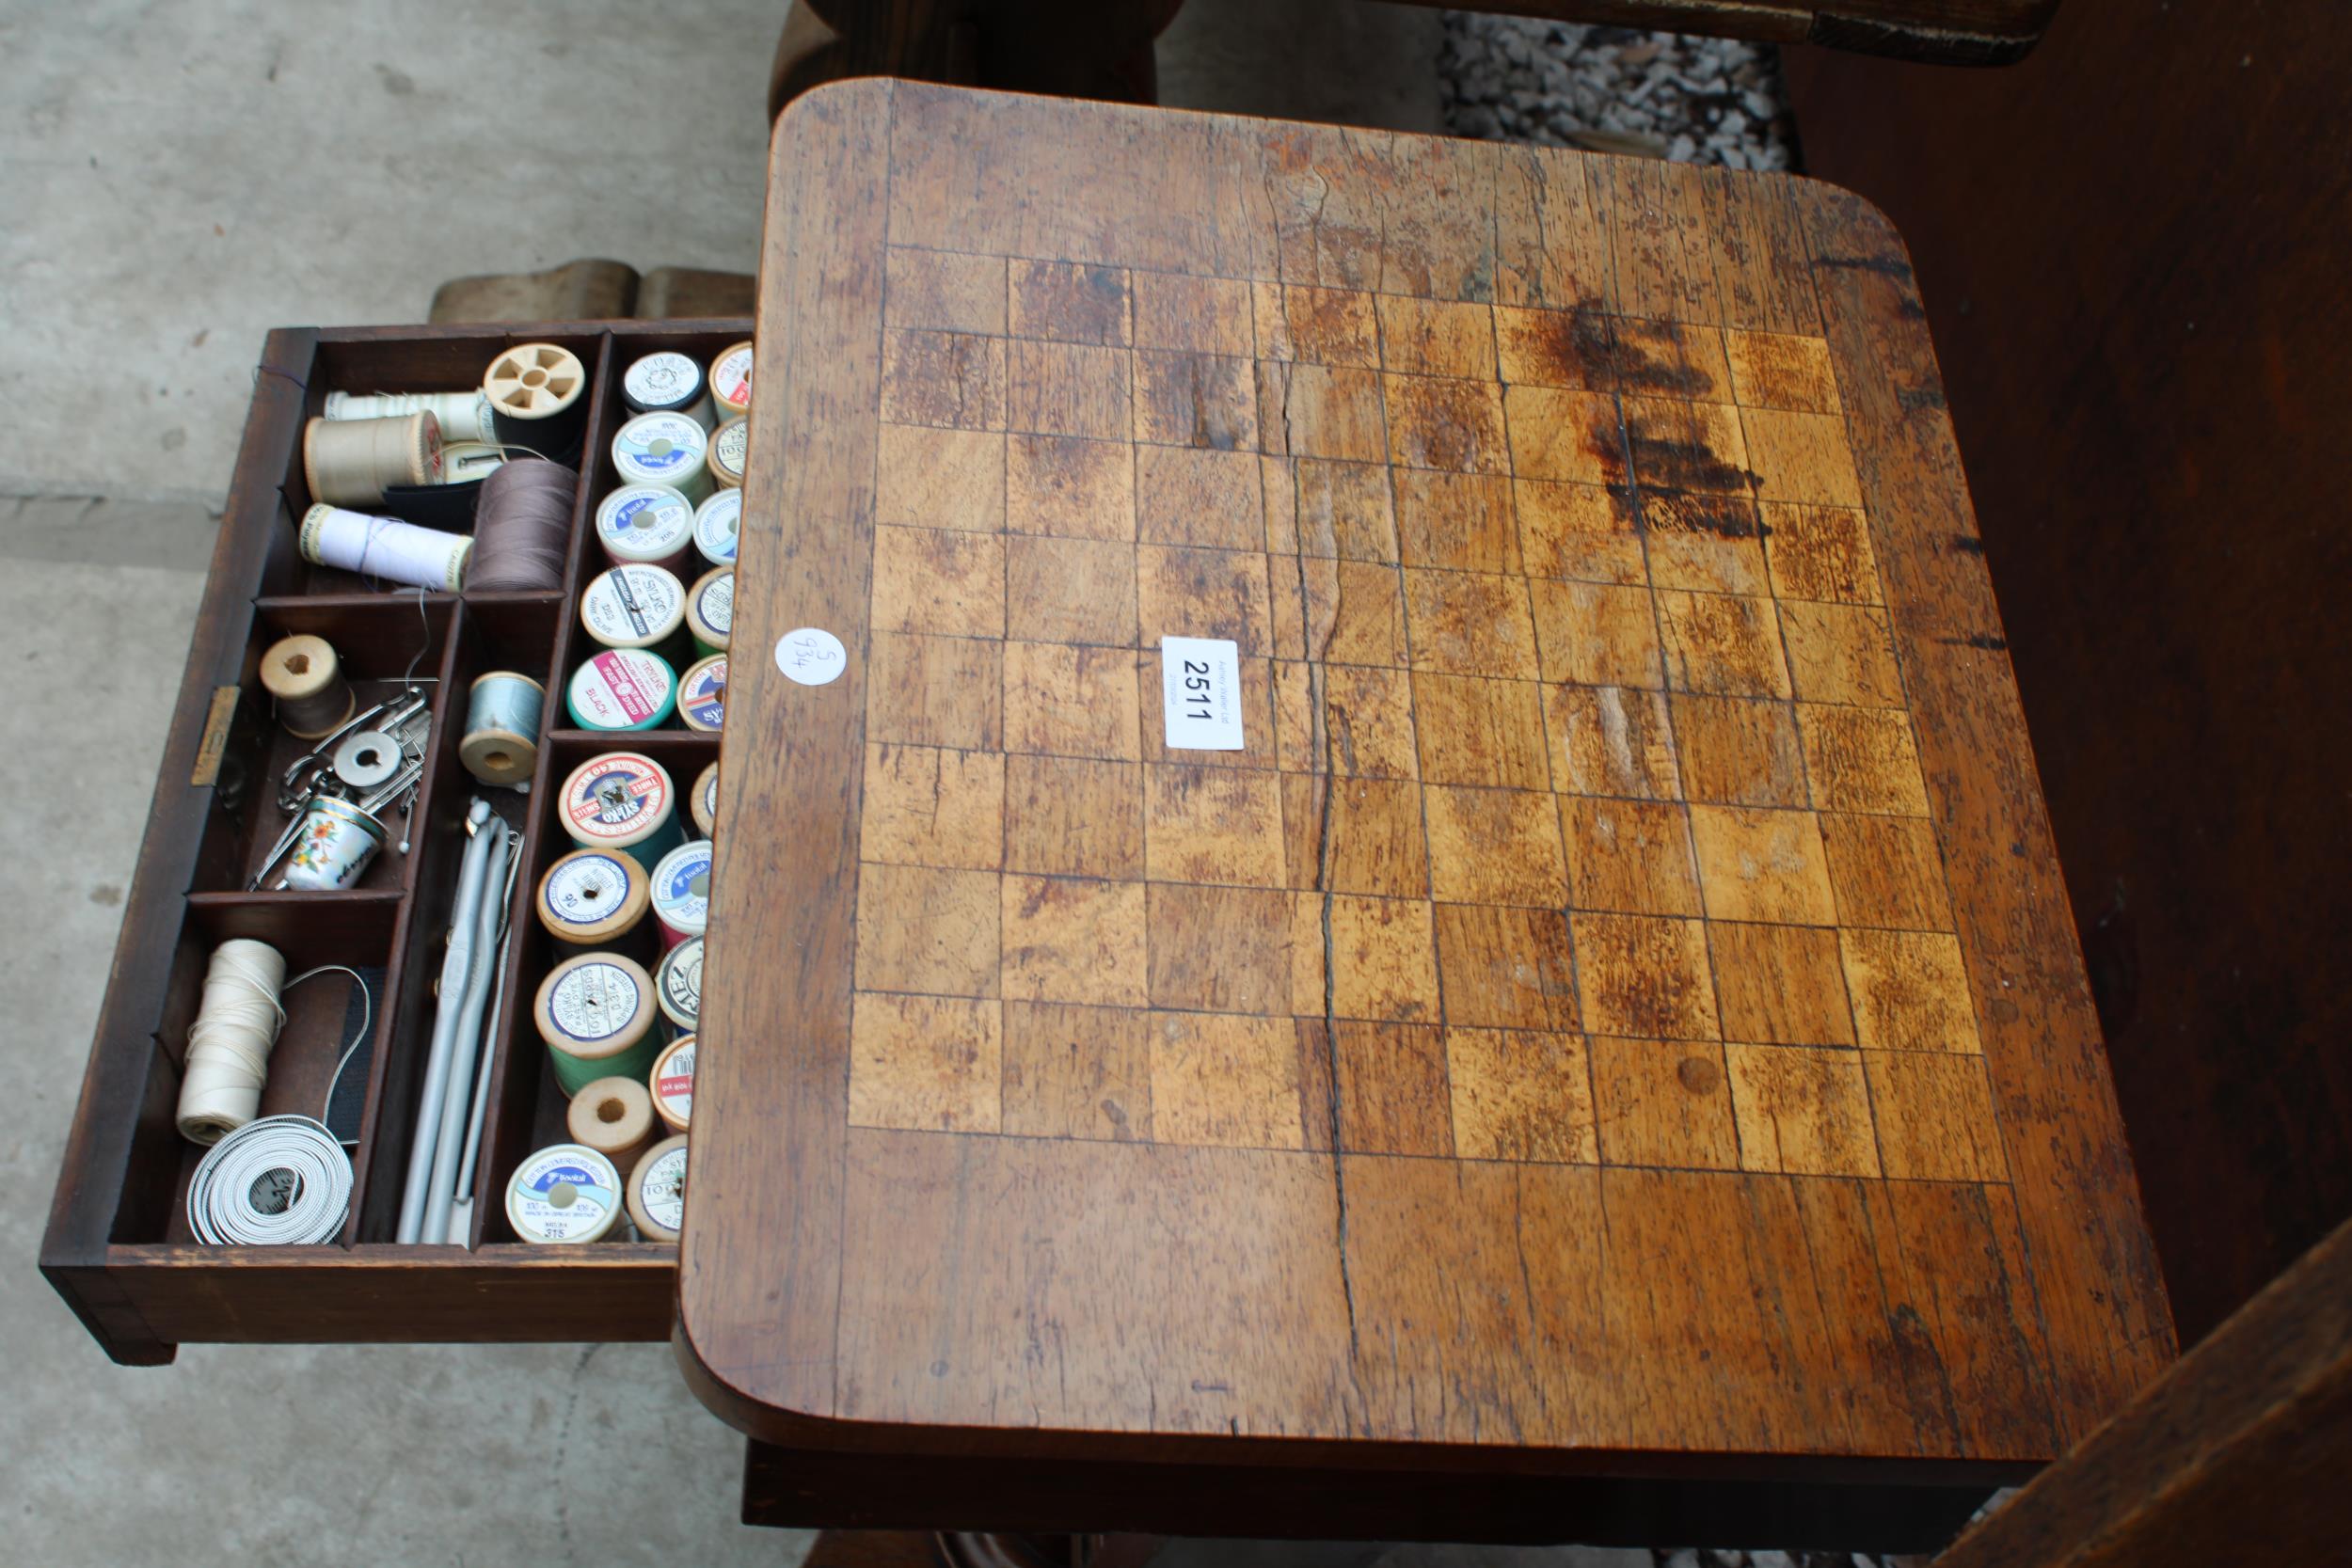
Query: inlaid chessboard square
(1578, 815)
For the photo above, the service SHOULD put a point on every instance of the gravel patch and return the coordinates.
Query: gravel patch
(1615, 90)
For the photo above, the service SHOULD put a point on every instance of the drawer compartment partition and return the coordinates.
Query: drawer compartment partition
(119, 1247)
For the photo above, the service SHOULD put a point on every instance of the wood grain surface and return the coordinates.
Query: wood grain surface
(1619, 1009)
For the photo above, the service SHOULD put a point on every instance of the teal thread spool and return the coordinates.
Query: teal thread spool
(710, 610)
(595, 1014)
(622, 689)
(500, 744)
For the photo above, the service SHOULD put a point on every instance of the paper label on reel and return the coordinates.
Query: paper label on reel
(665, 380)
(585, 891)
(718, 522)
(702, 698)
(811, 656)
(632, 604)
(564, 1194)
(681, 886)
(731, 377)
(621, 689)
(681, 982)
(673, 1081)
(1200, 693)
(618, 798)
(661, 1190)
(648, 521)
(732, 445)
(715, 604)
(660, 447)
(594, 1002)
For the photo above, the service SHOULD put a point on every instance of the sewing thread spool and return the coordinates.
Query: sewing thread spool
(702, 694)
(279, 1182)
(564, 1192)
(731, 381)
(501, 745)
(681, 892)
(384, 547)
(703, 802)
(352, 462)
(710, 610)
(593, 898)
(620, 689)
(671, 1083)
(679, 985)
(648, 525)
(664, 449)
(595, 1016)
(463, 416)
(335, 846)
(668, 383)
(657, 1190)
(633, 606)
(730, 445)
(719, 527)
(522, 527)
(306, 681)
(621, 802)
(613, 1116)
(534, 390)
(229, 1045)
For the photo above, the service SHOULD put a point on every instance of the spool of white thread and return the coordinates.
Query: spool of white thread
(463, 416)
(229, 1044)
(385, 548)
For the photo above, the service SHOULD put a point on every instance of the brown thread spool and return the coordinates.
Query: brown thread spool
(351, 461)
(306, 680)
(521, 527)
(613, 1116)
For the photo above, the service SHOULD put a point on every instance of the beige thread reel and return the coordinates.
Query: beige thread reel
(668, 382)
(613, 1116)
(730, 446)
(710, 610)
(536, 402)
(500, 742)
(671, 1083)
(731, 381)
(593, 898)
(564, 1192)
(352, 462)
(704, 801)
(657, 1190)
(229, 1043)
(464, 416)
(679, 984)
(306, 681)
(595, 1014)
(701, 695)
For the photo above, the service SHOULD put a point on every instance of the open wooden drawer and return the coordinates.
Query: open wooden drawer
(118, 1245)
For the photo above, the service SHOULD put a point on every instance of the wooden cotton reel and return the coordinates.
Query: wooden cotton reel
(536, 402)
(352, 462)
(306, 680)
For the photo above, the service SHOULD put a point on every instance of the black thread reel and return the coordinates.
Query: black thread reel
(537, 401)
(279, 1182)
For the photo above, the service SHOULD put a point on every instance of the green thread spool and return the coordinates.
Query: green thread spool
(595, 1015)
(622, 690)
(501, 745)
(710, 610)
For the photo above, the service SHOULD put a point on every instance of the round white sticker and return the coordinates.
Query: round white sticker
(811, 656)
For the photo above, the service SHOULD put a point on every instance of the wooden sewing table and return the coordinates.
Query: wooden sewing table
(1607, 1059)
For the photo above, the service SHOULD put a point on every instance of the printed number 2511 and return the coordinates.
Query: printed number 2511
(1197, 688)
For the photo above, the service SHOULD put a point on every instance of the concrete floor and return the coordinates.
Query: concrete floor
(177, 180)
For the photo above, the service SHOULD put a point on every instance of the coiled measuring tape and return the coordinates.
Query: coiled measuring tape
(279, 1182)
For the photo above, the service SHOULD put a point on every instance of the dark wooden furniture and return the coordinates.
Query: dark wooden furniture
(1101, 49)
(1616, 1016)
(2235, 1454)
(117, 1247)
(2137, 356)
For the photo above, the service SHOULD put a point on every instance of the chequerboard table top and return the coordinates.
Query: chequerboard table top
(1620, 999)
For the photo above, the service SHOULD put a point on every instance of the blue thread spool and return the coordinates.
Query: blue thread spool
(622, 689)
(501, 745)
